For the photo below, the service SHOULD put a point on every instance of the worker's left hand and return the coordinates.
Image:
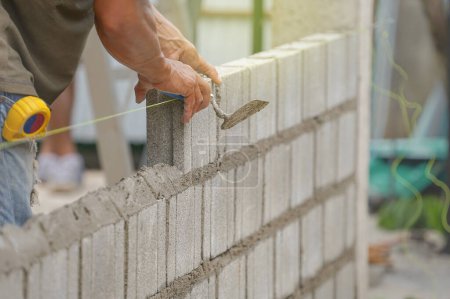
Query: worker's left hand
(175, 46)
(184, 51)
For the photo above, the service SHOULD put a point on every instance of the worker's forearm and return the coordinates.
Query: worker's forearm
(169, 36)
(128, 32)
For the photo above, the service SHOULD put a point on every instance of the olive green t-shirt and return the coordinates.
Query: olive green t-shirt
(41, 42)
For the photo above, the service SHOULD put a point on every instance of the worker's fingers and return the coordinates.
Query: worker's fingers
(198, 99)
(140, 90)
(205, 89)
(202, 66)
(189, 103)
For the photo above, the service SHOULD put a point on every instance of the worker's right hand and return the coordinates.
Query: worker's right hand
(180, 79)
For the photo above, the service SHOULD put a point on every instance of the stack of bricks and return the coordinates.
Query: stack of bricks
(264, 210)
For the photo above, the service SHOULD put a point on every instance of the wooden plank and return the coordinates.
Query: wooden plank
(114, 152)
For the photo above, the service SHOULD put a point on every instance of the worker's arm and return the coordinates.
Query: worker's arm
(127, 29)
(175, 46)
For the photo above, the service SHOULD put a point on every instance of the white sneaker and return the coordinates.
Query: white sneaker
(46, 163)
(62, 173)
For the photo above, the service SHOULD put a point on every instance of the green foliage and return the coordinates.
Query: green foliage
(397, 214)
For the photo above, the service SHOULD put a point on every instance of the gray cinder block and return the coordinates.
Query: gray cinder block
(345, 282)
(314, 76)
(289, 85)
(232, 94)
(353, 65)
(287, 260)
(350, 216)
(204, 290)
(326, 154)
(11, 284)
(262, 77)
(231, 280)
(302, 169)
(222, 211)
(312, 243)
(54, 274)
(260, 271)
(347, 145)
(325, 291)
(334, 219)
(277, 182)
(337, 64)
(249, 198)
(137, 194)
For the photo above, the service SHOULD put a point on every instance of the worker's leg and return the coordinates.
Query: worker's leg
(61, 144)
(60, 164)
(16, 174)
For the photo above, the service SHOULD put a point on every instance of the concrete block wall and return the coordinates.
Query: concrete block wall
(265, 210)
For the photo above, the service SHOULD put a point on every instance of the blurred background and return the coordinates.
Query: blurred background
(409, 252)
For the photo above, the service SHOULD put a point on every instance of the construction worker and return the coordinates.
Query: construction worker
(40, 46)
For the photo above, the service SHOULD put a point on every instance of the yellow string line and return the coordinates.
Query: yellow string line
(409, 126)
(443, 186)
(6, 145)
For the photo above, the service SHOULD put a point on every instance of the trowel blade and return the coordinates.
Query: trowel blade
(243, 113)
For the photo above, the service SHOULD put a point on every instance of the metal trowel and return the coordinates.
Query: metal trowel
(229, 120)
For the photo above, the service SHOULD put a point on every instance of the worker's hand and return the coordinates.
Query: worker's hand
(175, 46)
(182, 79)
(184, 51)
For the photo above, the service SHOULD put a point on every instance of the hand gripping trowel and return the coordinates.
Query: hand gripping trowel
(229, 120)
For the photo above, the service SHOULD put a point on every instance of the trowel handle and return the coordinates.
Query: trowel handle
(175, 96)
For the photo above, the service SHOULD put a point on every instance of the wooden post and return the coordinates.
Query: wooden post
(114, 152)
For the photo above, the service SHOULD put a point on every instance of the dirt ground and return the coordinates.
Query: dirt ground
(418, 271)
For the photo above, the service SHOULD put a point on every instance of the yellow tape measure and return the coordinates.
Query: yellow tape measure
(27, 118)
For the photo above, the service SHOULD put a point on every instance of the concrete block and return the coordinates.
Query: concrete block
(232, 280)
(101, 271)
(54, 274)
(147, 252)
(353, 65)
(11, 285)
(29, 243)
(314, 76)
(312, 243)
(182, 141)
(249, 198)
(160, 179)
(222, 214)
(73, 271)
(119, 259)
(260, 271)
(287, 260)
(289, 86)
(325, 291)
(103, 263)
(138, 195)
(204, 290)
(232, 94)
(198, 208)
(350, 210)
(262, 87)
(206, 239)
(277, 182)
(33, 282)
(345, 282)
(171, 242)
(337, 66)
(307, 296)
(131, 257)
(326, 155)
(9, 258)
(302, 169)
(334, 223)
(185, 234)
(200, 138)
(86, 268)
(162, 248)
(346, 145)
